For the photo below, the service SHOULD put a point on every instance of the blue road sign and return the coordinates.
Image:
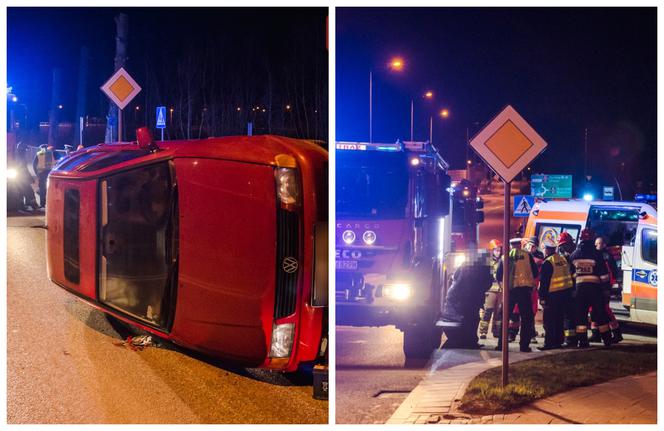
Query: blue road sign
(161, 117)
(607, 193)
(522, 205)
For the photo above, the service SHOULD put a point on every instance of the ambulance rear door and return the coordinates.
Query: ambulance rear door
(643, 297)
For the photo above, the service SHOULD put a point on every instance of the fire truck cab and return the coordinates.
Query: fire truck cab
(219, 245)
(392, 233)
(630, 232)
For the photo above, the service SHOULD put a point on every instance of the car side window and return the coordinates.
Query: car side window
(649, 245)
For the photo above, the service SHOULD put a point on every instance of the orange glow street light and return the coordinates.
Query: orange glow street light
(397, 64)
(444, 113)
(428, 95)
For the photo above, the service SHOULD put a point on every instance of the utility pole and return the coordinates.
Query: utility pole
(411, 120)
(115, 115)
(585, 155)
(56, 100)
(81, 92)
(370, 107)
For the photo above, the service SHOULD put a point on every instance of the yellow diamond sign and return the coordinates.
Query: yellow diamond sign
(121, 88)
(508, 144)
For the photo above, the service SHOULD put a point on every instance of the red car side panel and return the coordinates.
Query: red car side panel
(87, 234)
(226, 277)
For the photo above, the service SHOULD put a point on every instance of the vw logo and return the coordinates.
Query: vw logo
(289, 265)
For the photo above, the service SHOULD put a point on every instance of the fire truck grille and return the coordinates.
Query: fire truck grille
(288, 263)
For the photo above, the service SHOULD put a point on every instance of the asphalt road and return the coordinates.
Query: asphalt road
(63, 366)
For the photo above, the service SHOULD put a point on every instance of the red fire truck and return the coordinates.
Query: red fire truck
(393, 231)
(219, 245)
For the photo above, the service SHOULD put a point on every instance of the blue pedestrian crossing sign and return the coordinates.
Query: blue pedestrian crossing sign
(161, 117)
(522, 205)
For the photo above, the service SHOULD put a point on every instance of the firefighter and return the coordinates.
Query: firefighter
(591, 279)
(612, 268)
(538, 256)
(493, 296)
(42, 164)
(523, 271)
(566, 247)
(555, 295)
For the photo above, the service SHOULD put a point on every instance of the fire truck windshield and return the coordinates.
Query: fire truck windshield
(371, 184)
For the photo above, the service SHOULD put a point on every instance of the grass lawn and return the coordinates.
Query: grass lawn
(547, 375)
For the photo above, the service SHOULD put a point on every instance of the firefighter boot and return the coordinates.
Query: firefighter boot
(606, 338)
(595, 337)
(616, 336)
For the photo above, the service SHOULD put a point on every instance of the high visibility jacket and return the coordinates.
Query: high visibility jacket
(561, 278)
(45, 160)
(521, 270)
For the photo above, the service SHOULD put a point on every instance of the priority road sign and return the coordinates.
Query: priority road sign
(522, 205)
(508, 144)
(161, 117)
(121, 88)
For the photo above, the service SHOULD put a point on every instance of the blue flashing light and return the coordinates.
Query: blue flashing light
(388, 148)
(587, 197)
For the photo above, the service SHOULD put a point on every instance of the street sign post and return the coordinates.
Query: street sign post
(121, 89)
(607, 193)
(507, 144)
(161, 119)
(522, 205)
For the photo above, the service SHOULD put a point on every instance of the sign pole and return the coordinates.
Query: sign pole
(162, 134)
(506, 286)
(119, 125)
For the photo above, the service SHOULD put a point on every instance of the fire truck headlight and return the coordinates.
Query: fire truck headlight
(369, 237)
(348, 236)
(398, 292)
(282, 340)
(12, 174)
(288, 186)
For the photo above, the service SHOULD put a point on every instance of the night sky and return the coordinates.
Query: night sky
(563, 69)
(40, 39)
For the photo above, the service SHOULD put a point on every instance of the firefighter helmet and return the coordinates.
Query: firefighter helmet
(495, 243)
(565, 238)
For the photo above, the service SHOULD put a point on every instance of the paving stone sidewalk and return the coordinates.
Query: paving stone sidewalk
(633, 399)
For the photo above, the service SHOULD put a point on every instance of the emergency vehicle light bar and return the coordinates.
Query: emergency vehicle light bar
(365, 146)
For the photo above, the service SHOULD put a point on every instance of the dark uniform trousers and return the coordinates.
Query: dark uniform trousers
(590, 295)
(523, 297)
(559, 315)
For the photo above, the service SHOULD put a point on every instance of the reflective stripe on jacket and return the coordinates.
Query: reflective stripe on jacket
(561, 278)
(45, 160)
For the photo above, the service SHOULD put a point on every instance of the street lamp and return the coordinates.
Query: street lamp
(397, 65)
(428, 95)
(444, 113)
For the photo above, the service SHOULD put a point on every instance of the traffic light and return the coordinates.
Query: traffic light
(479, 215)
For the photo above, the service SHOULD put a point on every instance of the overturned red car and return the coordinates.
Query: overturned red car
(219, 245)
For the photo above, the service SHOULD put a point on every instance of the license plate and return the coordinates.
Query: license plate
(346, 264)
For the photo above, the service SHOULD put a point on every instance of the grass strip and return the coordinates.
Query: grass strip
(547, 375)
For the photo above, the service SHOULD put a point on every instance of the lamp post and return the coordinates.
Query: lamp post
(396, 64)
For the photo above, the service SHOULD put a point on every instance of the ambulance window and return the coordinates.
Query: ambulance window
(546, 232)
(649, 245)
(71, 235)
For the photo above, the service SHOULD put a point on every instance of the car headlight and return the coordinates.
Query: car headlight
(348, 236)
(397, 291)
(12, 173)
(288, 187)
(282, 340)
(369, 237)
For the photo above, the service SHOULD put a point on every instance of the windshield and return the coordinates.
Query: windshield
(371, 184)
